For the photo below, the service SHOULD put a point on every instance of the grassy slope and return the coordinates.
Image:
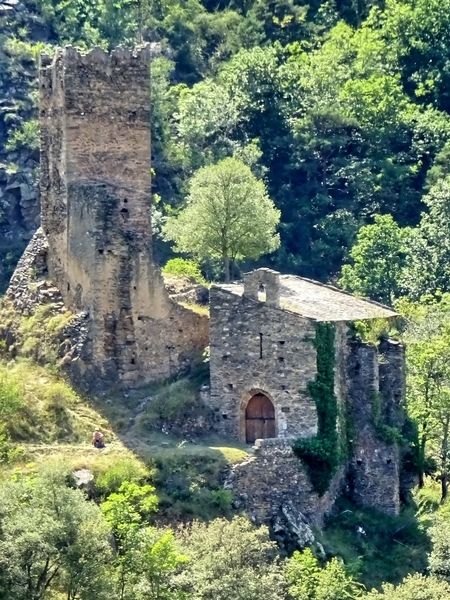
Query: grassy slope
(48, 421)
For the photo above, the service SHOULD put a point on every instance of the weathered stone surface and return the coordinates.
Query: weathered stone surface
(255, 347)
(376, 392)
(84, 480)
(274, 482)
(28, 286)
(95, 190)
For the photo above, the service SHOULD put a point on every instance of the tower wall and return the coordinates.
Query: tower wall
(96, 214)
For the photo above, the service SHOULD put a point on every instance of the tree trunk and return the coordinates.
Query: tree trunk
(444, 487)
(423, 442)
(444, 458)
(226, 268)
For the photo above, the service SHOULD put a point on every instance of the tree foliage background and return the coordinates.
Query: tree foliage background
(340, 106)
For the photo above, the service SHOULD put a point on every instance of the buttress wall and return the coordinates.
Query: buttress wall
(96, 214)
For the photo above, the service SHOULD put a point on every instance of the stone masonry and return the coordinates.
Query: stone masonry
(96, 217)
(263, 342)
(254, 350)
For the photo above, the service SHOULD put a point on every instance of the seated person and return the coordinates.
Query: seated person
(98, 440)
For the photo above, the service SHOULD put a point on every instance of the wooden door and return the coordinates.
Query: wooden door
(259, 419)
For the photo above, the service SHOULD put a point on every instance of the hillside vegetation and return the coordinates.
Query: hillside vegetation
(337, 112)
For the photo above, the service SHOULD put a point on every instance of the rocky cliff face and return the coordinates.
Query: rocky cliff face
(19, 153)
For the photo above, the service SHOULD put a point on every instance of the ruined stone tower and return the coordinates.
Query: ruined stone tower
(96, 217)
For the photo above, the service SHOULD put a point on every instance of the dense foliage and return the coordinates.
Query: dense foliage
(341, 106)
(309, 135)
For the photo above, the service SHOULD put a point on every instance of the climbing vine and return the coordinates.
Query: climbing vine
(386, 433)
(322, 454)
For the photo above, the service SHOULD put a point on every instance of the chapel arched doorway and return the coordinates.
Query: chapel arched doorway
(259, 418)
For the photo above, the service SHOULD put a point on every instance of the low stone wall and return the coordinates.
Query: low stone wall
(273, 482)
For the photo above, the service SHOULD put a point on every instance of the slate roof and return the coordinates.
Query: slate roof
(321, 302)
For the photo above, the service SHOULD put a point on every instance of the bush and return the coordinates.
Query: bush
(184, 267)
(439, 559)
(375, 547)
(414, 587)
(110, 479)
(8, 451)
(189, 483)
(11, 395)
(230, 560)
(25, 136)
(309, 581)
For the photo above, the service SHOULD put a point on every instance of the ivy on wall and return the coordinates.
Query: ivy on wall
(322, 454)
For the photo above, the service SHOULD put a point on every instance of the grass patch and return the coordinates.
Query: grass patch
(39, 407)
(387, 548)
(199, 309)
(37, 336)
(189, 481)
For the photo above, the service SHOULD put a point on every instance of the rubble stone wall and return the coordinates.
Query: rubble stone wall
(255, 347)
(274, 478)
(376, 394)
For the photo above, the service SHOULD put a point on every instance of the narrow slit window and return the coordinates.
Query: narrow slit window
(260, 345)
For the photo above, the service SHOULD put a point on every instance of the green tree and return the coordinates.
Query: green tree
(429, 257)
(228, 216)
(127, 511)
(428, 381)
(230, 559)
(51, 536)
(156, 560)
(439, 558)
(378, 258)
(414, 587)
(309, 581)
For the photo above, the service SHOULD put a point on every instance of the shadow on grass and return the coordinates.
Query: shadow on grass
(188, 464)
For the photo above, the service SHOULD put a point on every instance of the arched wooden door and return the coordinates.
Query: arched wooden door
(259, 419)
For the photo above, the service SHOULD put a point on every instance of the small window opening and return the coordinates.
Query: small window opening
(230, 386)
(285, 409)
(262, 292)
(124, 212)
(281, 359)
(225, 357)
(388, 461)
(224, 416)
(281, 342)
(125, 200)
(359, 462)
(68, 287)
(101, 251)
(133, 361)
(260, 345)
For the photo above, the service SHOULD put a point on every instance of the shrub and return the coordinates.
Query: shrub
(414, 587)
(11, 395)
(230, 560)
(439, 559)
(309, 581)
(25, 136)
(125, 469)
(189, 483)
(184, 267)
